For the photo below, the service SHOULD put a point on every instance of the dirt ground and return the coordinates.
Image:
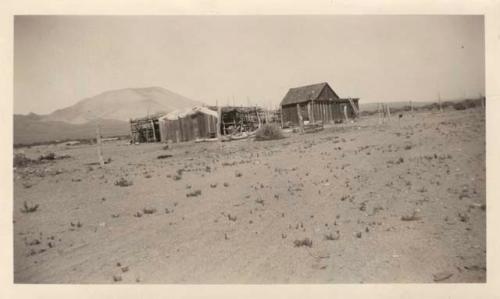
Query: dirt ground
(402, 201)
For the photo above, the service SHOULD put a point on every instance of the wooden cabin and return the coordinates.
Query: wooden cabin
(316, 103)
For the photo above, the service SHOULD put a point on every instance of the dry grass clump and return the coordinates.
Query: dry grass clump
(412, 217)
(122, 182)
(269, 132)
(20, 160)
(194, 193)
(49, 156)
(304, 242)
(332, 237)
(163, 156)
(149, 210)
(29, 209)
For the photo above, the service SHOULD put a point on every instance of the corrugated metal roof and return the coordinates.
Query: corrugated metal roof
(303, 93)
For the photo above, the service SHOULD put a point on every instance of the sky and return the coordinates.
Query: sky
(60, 60)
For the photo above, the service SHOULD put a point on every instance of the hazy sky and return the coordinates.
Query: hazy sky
(61, 60)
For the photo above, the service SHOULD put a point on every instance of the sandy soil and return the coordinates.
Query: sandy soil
(231, 212)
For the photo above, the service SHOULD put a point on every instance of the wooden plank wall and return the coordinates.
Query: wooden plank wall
(189, 128)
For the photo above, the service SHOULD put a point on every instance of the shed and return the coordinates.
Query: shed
(316, 102)
(189, 124)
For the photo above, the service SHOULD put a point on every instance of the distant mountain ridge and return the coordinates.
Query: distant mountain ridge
(113, 109)
(122, 104)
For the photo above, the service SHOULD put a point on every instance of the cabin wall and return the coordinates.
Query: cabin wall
(188, 128)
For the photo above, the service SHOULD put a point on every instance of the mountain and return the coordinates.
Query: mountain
(122, 104)
(112, 108)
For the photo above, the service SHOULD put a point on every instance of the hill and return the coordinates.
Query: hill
(112, 108)
(122, 105)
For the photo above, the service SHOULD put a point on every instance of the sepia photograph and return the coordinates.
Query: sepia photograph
(249, 149)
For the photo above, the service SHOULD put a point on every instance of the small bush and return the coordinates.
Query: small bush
(305, 242)
(149, 210)
(29, 209)
(194, 193)
(123, 183)
(20, 160)
(49, 156)
(459, 106)
(269, 132)
(164, 156)
(331, 237)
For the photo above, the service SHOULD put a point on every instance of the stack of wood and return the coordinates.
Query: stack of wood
(313, 127)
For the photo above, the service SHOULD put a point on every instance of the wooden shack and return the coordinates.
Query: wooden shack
(316, 103)
(186, 125)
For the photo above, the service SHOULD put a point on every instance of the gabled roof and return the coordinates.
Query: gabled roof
(304, 93)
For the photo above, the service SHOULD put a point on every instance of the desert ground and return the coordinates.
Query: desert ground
(363, 202)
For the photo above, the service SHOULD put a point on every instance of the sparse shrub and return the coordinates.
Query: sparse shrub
(149, 210)
(20, 160)
(122, 182)
(412, 217)
(304, 242)
(194, 193)
(459, 106)
(78, 224)
(269, 132)
(331, 237)
(238, 174)
(177, 177)
(231, 218)
(49, 156)
(29, 209)
(163, 156)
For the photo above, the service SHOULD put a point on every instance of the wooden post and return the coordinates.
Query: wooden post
(219, 115)
(99, 143)
(388, 112)
(154, 131)
(379, 114)
(312, 110)
(281, 116)
(258, 117)
(299, 115)
(345, 113)
(411, 107)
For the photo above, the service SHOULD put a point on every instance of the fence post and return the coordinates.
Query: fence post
(301, 123)
(99, 143)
